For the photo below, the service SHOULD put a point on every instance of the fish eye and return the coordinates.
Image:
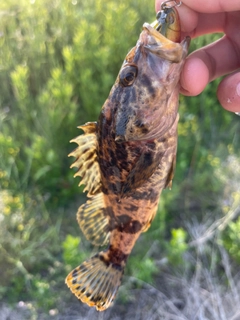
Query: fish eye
(127, 75)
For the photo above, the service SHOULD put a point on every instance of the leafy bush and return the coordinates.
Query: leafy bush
(231, 239)
(60, 61)
(177, 246)
(71, 254)
(25, 243)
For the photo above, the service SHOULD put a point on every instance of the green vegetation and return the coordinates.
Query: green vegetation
(58, 60)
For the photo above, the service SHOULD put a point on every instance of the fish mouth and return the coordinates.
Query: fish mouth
(156, 38)
(161, 46)
(153, 32)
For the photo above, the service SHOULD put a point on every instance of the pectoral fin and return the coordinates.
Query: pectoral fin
(86, 159)
(171, 174)
(93, 220)
(147, 226)
(141, 172)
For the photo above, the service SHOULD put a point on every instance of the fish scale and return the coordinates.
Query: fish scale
(128, 157)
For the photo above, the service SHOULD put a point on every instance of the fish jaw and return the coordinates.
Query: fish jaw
(162, 46)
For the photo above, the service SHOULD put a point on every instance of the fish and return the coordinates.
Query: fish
(126, 159)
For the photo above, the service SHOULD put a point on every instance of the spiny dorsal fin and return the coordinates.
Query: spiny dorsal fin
(93, 220)
(86, 159)
(95, 282)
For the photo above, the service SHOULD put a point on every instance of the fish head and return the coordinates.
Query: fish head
(147, 87)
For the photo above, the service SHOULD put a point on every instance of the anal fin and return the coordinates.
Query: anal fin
(93, 220)
(86, 159)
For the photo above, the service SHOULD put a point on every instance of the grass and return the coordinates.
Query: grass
(202, 292)
(205, 287)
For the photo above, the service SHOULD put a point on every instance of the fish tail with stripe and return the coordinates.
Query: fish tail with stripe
(96, 281)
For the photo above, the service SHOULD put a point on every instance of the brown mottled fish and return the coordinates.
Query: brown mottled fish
(127, 158)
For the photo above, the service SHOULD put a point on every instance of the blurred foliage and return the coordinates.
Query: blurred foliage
(58, 61)
(27, 232)
(231, 239)
(71, 254)
(177, 246)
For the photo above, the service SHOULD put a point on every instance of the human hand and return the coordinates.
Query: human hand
(219, 58)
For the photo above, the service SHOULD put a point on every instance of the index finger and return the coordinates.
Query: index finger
(201, 17)
(207, 6)
(212, 6)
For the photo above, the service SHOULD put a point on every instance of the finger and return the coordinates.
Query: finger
(188, 17)
(207, 6)
(212, 6)
(194, 77)
(227, 23)
(195, 24)
(220, 57)
(228, 92)
(214, 60)
(204, 23)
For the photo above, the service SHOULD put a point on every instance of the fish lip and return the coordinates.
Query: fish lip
(158, 44)
(153, 32)
(159, 37)
(153, 37)
(156, 36)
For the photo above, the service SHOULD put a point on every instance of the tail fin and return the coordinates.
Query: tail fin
(95, 281)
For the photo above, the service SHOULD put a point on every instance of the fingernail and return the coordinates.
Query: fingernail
(238, 89)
